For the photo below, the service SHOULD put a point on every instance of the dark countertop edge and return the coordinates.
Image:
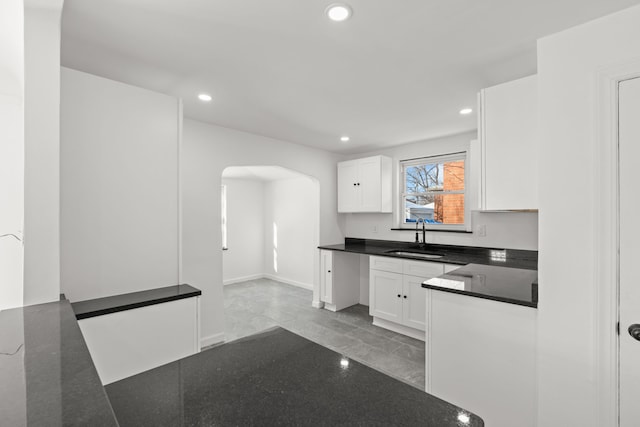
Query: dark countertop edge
(530, 304)
(114, 304)
(416, 258)
(60, 378)
(361, 249)
(358, 241)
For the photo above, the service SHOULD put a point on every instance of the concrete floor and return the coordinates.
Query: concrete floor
(256, 305)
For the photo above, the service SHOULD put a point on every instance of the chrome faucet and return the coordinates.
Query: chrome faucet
(421, 220)
(424, 233)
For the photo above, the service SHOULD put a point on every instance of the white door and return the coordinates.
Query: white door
(629, 170)
(326, 276)
(369, 184)
(385, 295)
(348, 189)
(414, 299)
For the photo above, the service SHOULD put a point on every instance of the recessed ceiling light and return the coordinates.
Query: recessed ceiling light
(339, 12)
(204, 97)
(465, 111)
(344, 138)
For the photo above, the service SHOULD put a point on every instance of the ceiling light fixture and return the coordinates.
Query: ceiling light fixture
(344, 138)
(466, 111)
(204, 97)
(339, 12)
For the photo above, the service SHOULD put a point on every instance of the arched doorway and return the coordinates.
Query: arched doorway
(270, 232)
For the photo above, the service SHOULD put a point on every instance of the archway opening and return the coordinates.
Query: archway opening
(270, 232)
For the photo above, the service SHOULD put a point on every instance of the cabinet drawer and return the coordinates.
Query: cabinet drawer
(424, 269)
(393, 265)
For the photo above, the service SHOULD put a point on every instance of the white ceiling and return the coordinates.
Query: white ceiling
(397, 72)
(260, 173)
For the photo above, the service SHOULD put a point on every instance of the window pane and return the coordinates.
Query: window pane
(453, 175)
(449, 209)
(423, 178)
(435, 208)
(445, 176)
(420, 207)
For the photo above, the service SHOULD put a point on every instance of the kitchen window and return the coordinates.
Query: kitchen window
(434, 191)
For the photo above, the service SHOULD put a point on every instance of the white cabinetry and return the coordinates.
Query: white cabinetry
(481, 355)
(326, 278)
(339, 279)
(385, 295)
(364, 185)
(413, 302)
(397, 300)
(509, 149)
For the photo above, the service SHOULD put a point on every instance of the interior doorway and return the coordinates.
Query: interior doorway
(270, 232)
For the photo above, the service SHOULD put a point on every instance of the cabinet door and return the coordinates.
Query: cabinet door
(369, 184)
(348, 190)
(326, 277)
(509, 148)
(385, 295)
(414, 301)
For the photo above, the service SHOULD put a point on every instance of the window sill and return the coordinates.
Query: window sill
(432, 229)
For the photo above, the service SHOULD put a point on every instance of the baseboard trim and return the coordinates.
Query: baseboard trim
(288, 281)
(242, 279)
(317, 304)
(268, 276)
(330, 307)
(401, 329)
(211, 339)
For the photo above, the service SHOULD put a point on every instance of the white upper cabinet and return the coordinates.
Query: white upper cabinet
(509, 151)
(364, 185)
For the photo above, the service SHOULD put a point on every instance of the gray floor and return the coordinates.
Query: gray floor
(256, 305)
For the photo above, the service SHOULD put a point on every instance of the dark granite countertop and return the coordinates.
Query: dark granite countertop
(275, 378)
(504, 284)
(116, 303)
(460, 255)
(47, 377)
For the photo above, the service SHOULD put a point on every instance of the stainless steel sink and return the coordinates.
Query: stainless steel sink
(415, 254)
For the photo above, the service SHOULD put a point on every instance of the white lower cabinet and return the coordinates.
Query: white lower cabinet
(339, 279)
(481, 356)
(414, 302)
(326, 278)
(397, 300)
(385, 292)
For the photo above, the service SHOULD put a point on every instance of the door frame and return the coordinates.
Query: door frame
(606, 242)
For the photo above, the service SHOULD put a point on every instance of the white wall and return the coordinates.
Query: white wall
(245, 230)
(568, 67)
(119, 187)
(516, 230)
(11, 152)
(207, 151)
(42, 151)
(291, 208)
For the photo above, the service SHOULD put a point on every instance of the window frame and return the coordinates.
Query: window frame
(223, 216)
(440, 158)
